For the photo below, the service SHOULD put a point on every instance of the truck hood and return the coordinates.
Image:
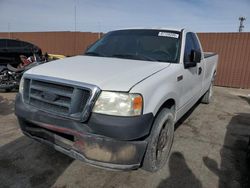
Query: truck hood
(107, 73)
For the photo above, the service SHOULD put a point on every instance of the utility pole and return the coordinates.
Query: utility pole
(75, 28)
(99, 28)
(75, 15)
(242, 19)
(9, 29)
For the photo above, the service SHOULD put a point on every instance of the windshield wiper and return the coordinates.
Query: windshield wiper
(134, 56)
(94, 54)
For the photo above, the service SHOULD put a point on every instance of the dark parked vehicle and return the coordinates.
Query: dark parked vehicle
(10, 51)
(10, 76)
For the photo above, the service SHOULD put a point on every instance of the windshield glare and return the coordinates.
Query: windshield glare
(150, 45)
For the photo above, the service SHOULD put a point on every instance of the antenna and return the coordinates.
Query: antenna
(242, 19)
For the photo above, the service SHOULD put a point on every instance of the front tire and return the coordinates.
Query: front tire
(160, 141)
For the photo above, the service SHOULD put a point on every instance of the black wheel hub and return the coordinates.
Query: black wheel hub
(162, 141)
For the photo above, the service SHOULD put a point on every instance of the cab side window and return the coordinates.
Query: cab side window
(189, 46)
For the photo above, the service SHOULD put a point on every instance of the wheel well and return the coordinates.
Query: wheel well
(214, 75)
(170, 104)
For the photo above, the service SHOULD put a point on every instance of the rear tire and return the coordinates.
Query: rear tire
(207, 98)
(160, 141)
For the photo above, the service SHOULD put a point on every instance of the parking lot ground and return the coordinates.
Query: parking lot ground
(209, 150)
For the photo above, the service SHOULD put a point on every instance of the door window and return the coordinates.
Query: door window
(189, 46)
(196, 43)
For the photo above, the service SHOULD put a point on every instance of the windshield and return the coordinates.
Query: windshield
(149, 45)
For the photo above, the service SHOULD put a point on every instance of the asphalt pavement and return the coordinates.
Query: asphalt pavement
(209, 150)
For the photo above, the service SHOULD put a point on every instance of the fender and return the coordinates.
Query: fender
(163, 99)
(156, 91)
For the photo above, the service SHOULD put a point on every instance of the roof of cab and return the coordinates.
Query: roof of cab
(153, 28)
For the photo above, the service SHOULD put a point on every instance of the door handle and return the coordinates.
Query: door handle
(200, 70)
(179, 78)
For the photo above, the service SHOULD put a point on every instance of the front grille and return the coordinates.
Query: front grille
(67, 100)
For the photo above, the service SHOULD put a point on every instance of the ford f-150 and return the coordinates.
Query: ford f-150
(116, 106)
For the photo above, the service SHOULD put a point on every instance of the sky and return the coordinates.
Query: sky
(106, 15)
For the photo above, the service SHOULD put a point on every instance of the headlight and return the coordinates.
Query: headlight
(21, 86)
(119, 104)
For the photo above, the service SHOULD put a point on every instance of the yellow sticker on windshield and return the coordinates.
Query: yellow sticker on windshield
(166, 34)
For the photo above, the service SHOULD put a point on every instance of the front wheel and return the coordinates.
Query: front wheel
(160, 141)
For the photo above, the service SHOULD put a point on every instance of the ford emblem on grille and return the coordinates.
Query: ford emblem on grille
(49, 96)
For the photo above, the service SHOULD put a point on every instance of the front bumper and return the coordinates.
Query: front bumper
(99, 146)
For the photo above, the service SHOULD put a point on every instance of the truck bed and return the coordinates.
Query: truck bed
(209, 54)
(210, 65)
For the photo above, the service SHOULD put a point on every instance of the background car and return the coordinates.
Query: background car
(11, 49)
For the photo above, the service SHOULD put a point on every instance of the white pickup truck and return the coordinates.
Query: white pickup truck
(116, 106)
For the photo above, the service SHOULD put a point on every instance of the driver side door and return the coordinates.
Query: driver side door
(191, 79)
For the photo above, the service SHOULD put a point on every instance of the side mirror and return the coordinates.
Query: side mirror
(195, 56)
(189, 64)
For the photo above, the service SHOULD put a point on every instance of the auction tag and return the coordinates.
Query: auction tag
(166, 34)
